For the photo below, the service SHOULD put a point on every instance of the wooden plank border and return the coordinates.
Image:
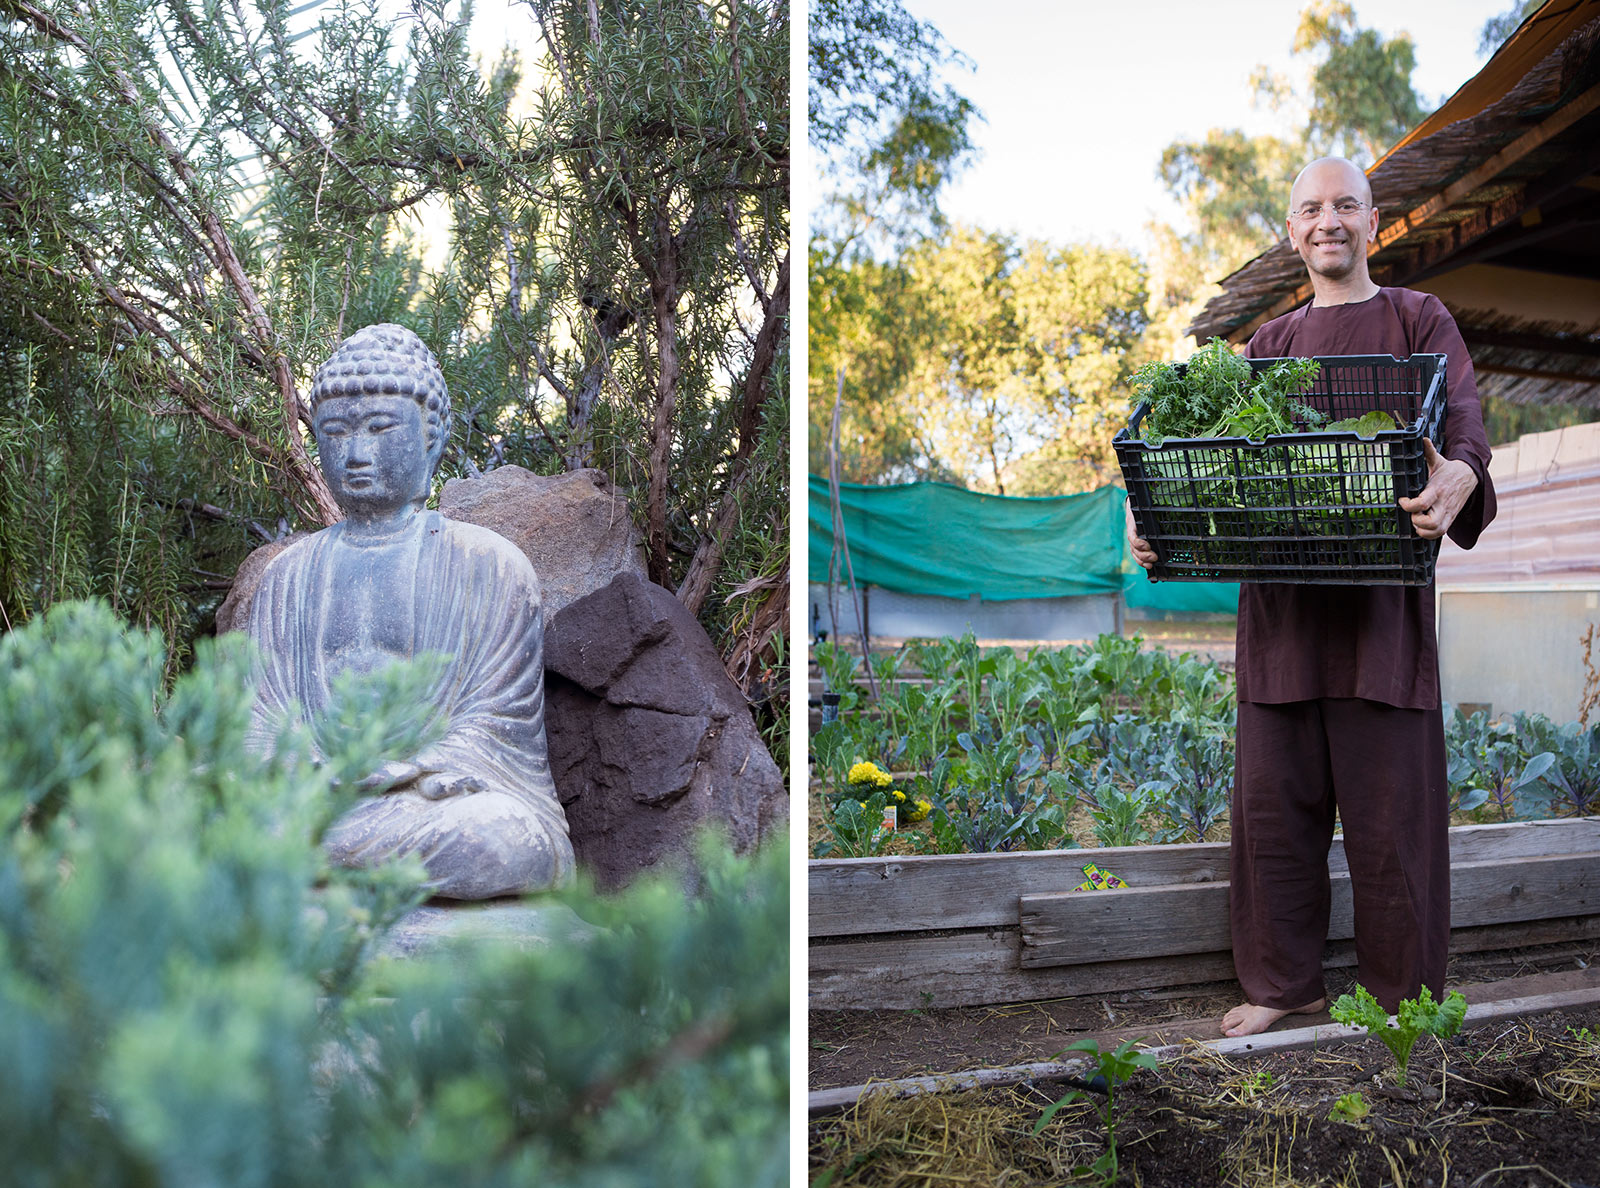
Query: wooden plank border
(1074, 928)
(856, 896)
(899, 933)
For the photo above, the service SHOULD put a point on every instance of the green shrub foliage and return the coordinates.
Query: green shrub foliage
(190, 995)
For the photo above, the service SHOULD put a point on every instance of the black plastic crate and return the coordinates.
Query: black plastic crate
(1303, 508)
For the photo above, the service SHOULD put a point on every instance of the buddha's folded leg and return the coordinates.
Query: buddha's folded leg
(473, 847)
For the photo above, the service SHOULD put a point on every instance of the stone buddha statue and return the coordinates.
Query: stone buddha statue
(394, 580)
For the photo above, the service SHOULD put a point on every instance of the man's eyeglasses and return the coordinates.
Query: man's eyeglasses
(1313, 210)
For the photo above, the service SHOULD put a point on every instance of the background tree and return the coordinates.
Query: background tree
(175, 262)
(1497, 28)
(967, 356)
(888, 132)
(1355, 100)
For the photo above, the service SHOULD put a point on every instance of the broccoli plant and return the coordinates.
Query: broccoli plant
(1418, 1016)
(1574, 775)
(1198, 766)
(1496, 766)
(1001, 800)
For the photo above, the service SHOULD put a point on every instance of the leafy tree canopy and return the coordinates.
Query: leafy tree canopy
(976, 358)
(197, 205)
(1356, 100)
(889, 132)
(1498, 28)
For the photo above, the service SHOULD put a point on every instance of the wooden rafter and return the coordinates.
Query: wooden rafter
(1533, 138)
(1543, 373)
(1516, 340)
(1413, 221)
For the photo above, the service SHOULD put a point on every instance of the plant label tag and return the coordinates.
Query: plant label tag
(891, 818)
(1098, 880)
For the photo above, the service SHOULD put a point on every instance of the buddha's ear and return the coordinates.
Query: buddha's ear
(438, 439)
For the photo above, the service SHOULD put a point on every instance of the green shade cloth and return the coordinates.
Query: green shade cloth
(1208, 597)
(934, 538)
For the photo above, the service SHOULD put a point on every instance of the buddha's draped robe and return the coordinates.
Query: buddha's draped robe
(453, 590)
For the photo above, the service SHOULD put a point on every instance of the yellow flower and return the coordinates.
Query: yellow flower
(868, 773)
(920, 813)
(898, 795)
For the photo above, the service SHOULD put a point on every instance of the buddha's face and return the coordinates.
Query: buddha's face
(374, 452)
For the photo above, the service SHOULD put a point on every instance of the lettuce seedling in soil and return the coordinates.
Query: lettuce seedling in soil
(1418, 1016)
(1351, 1107)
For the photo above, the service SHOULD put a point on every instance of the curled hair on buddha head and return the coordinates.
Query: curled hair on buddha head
(388, 360)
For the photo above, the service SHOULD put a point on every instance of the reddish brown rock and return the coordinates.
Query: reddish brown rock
(648, 736)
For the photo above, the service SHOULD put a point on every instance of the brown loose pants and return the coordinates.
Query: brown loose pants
(1384, 770)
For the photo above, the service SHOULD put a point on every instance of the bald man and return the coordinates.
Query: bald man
(1338, 686)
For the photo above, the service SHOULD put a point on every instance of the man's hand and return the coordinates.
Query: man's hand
(1142, 552)
(1450, 484)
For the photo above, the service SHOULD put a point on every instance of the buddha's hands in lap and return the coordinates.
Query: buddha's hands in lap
(441, 785)
(429, 783)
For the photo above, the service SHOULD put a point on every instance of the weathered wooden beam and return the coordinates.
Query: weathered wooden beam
(1544, 373)
(1533, 138)
(856, 896)
(1077, 928)
(1515, 340)
(974, 968)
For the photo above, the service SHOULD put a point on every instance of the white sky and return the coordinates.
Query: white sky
(1080, 98)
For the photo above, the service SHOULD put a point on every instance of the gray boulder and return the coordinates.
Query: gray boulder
(575, 527)
(648, 737)
(234, 613)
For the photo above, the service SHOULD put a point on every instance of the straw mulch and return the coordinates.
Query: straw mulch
(1506, 1105)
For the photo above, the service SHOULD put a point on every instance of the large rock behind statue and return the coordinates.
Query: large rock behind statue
(649, 737)
(575, 527)
(234, 613)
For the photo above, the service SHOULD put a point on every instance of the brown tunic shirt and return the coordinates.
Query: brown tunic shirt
(1296, 643)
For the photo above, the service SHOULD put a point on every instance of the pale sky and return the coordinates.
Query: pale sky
(1080, 98)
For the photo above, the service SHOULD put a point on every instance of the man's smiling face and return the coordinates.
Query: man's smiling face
(1332, 245)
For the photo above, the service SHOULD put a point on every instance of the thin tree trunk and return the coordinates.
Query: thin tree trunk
(706, 563)
(664, 301)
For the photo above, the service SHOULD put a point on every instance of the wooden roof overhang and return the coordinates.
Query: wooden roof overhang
(1493, 203)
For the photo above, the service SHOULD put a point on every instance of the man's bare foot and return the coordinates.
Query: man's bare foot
(1249, 1019)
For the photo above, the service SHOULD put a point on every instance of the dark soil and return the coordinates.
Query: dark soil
(1510, 1104)
(854, 1047)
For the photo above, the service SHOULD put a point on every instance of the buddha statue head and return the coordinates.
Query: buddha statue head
(381, 415)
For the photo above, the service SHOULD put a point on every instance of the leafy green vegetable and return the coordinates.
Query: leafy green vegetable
(1216, 395)
(1184, 401)
(1370, 425)
(1418, 1016)
(1351, 1107)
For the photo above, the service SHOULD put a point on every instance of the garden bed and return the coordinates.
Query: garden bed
(1509, 1101)
(969, 929)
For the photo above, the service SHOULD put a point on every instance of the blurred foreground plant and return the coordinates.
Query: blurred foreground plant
(189, 994)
